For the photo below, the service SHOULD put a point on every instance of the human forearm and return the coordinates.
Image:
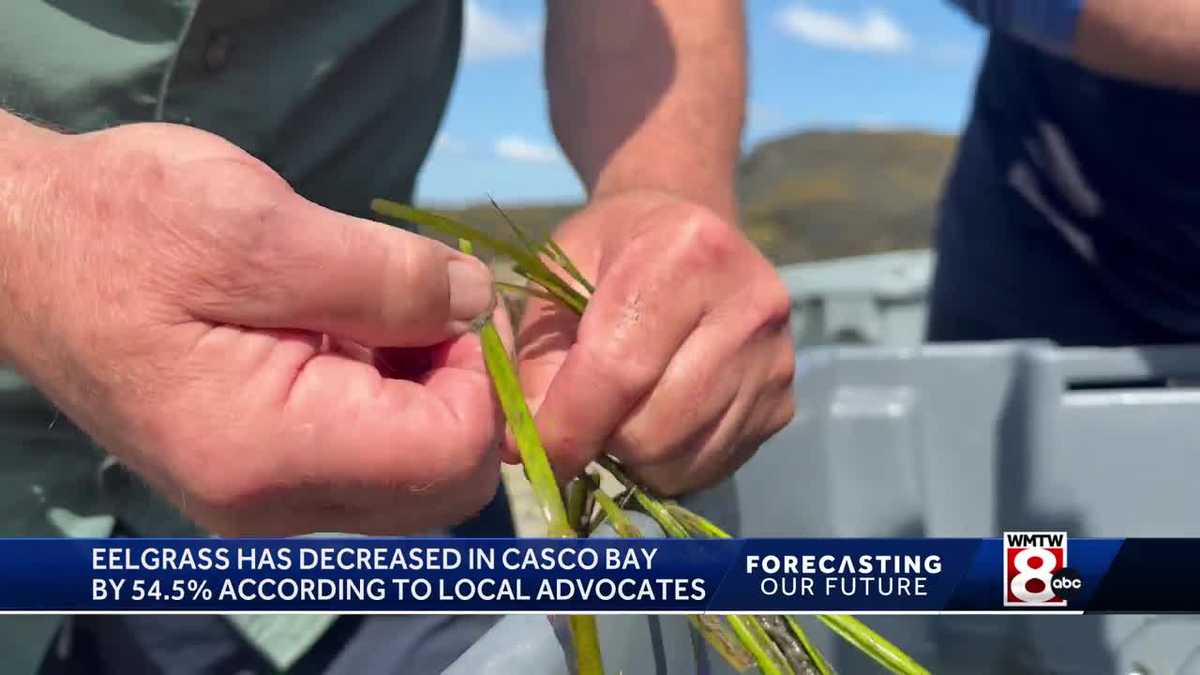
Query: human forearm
(26, 159)
(649, 95)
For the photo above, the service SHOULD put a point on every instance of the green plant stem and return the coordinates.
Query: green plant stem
(621, 523)
(578, 490)
(873, 644)
(814, 654)
(585, 636)
(535, 269)
(533, 454)
(694, 522)
(556, 288)
(755, 643)
(650, 505)
(539, 293)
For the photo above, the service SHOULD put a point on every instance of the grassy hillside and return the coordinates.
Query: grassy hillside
(817, 195)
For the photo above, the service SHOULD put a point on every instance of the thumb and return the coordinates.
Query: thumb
(318, 270)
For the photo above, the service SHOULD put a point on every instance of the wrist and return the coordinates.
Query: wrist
(633, 210)
(26, 167)
(713, 192)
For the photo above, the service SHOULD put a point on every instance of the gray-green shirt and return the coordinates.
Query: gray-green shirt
(341, 98)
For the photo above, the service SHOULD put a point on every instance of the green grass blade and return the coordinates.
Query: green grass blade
(697, 524)
(519, 232)
(720, 636)
(533, 453)
(620, 522)
(452, 228)
(653, 507)
(578, 501)
(516, 412)
(526, 259)
(872, 644)
(564, 261)
(585, 637)
(525, 290)
(556, 287)
(757, 643)
(548, 247)
(814, 654)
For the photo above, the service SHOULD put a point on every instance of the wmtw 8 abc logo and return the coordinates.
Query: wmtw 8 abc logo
(1036, 572)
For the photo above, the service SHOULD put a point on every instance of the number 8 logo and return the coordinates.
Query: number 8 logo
(1019, 584)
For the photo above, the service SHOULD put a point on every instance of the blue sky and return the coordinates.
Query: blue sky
(813, 64)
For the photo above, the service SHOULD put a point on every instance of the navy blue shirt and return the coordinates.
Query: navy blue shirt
(1073, 211)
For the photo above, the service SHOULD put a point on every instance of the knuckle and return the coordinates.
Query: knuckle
(667, 483)
(783, 415)
(784, 373)
(775, 303)
(641, 446)
(417, 266)
(627, 370)
(708, 240)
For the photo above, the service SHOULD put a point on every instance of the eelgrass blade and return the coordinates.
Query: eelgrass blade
(785, 641)
(450, 227)
(517, 289)
(569, 298)
(533, 454)
(548, 247)
(620, 522)
(520, 233)
(872, 644)
(709, 627)
(696, 523)
(650, 505)
(516, 412)
(814, 655)
(718, 634)
(751, 635)
(857, 633)
(564, 261)
(586, 638)
(534, 268)
(578, 497)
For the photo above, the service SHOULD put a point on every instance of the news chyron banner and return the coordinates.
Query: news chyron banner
(1019, 572)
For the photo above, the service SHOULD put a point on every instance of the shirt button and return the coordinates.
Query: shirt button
(216, 53)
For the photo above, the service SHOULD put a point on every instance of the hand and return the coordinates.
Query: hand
(682, 364)
(240, 347)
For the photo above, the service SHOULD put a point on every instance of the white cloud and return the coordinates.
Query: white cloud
(489, 35)
(520, 149)
(873, 30)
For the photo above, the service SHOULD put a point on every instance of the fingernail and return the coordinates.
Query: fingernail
(471, 293)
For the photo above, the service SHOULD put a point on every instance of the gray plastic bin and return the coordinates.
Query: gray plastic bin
(875, 299)
(957, 440)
